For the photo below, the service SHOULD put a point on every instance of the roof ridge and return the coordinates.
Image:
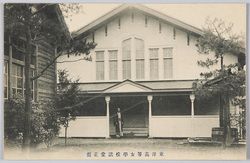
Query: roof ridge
(143, 8)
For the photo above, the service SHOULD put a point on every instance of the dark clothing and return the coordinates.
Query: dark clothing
(116, 124)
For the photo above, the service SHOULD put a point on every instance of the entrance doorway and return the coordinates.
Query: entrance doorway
(134, 110)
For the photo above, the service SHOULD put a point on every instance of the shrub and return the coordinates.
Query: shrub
(44, 122)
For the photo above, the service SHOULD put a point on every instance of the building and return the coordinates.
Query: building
(43, 52)
(144, 63)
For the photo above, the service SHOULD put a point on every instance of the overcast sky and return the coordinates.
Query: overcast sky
(193, 14)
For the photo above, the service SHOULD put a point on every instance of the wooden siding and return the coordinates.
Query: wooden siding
(47, 82)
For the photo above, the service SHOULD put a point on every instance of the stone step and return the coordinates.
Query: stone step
(135, 129)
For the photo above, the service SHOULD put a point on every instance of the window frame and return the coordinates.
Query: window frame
(6, 78)
(154, 58)
(113, 60)
(165, 58)
(126, 73)
(140, 70)
(102, 76)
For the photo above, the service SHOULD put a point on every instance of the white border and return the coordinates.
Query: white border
(117, 1)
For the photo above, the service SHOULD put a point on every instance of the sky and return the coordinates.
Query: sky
(193, 14)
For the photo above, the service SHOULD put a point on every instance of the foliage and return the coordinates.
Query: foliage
(32, 24)
(229, 81)
(218, 40)
(68, 96)
(44, 122)
(233, 84)
(218, 37)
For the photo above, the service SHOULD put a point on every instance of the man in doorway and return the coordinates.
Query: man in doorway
(118, 124)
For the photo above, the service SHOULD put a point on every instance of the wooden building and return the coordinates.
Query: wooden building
(144, 63)
(43, 53)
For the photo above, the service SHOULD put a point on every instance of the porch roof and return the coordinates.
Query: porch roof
(147, 86)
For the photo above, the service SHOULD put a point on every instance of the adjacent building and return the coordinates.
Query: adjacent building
(43, 52)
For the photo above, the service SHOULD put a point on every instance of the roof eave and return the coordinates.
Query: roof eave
(104, 19)
(62, 21)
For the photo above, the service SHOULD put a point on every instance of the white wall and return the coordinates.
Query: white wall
(87, 126)
(183, 126)
(184, 60)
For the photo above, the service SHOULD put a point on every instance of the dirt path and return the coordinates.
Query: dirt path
(132, 149)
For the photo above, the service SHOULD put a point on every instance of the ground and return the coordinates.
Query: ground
(130, 149)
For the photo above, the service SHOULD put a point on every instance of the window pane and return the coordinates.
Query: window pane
(113, 70)
(32, 85)
(13, 91)
(126, 65)
(168, 68)
(99, 55)
(5, 79)
(171, 105)
(19, 71)
(5, 67)
(126, 49)
(14, 68)
(99, 70)
(154, 68)
(113, 54)
(206, 107)
(19, 83)
(139, 45)
(140, 69)
(20, 92)
(13, 82)
(5, 92)
(153, 53)
(167, 52)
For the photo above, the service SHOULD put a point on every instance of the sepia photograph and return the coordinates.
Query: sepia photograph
(130, 81)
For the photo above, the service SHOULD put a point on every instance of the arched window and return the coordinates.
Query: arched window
(139, 46)
(126, 58)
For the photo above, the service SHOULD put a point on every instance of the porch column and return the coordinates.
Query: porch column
(107, 98)
(150, 98)
(192, 97)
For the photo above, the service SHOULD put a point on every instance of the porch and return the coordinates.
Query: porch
(146, 112)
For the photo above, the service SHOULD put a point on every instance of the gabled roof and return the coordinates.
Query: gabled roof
(62, 21)
(150, 12)
(127, 86)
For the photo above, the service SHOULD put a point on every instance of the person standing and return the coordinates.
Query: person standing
(118, 124)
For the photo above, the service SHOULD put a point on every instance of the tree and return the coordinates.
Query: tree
(35, 23)
(68, 96)
(229, 80)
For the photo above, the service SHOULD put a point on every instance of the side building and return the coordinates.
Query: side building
(145, 63)
(43, 52)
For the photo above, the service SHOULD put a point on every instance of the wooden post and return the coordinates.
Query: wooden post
(150, 98)
(107, 98)
(192, 97)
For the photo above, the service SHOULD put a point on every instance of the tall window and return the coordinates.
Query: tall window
(5, 79)
(139, 45)
(168, 62)
(113, 72)
(100, 65)
(126, 59)
(17, 80)
(153, 54)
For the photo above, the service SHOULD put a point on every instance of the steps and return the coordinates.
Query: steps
(134, 132)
